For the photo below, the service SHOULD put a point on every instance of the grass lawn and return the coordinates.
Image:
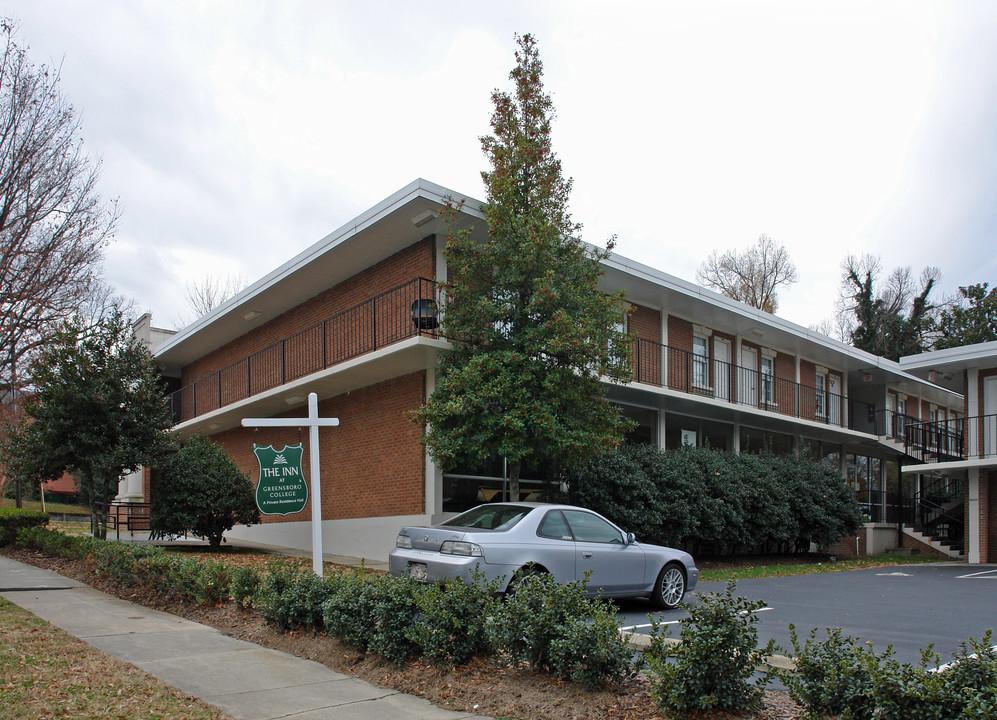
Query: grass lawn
(52, 507)
(775, 566)
(47, 673)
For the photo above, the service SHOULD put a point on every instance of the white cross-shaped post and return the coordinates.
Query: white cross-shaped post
(314, 422)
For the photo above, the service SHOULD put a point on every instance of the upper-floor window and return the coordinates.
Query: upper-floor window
(700, 361)
(820, 398)
(768, 379)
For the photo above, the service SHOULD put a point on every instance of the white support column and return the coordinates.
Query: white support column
(433, 474)
(973, 537)
(661, 428)
(735, 444)
(664, 366)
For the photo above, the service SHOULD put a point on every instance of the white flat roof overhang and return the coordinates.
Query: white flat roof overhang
(402, 358)
(708, 408)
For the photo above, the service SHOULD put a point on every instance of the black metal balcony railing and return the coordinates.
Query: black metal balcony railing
(892, 423)
(400, 313)
(677, 369)
(949, 440)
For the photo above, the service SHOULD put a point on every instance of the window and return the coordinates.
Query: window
(700, 361)
(820, 399)
(555, 526)
(768, 389)
(587, 527)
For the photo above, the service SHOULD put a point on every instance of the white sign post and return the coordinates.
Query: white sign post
(313, 422)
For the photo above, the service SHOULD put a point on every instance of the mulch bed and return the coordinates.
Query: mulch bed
(480, 687)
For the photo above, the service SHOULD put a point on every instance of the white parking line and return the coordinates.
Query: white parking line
(647, 625)
(992, 573)
(630, 628)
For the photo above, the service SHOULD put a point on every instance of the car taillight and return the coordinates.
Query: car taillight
(458, 547)
(403, 541)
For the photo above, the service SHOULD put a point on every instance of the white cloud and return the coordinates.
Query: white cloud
(238, 133)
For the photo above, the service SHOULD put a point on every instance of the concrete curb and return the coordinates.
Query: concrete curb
(642, 642)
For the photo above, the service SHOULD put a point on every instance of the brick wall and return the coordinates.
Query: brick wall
(645, 323)
(680, 344)
(413, 262)
(372, 463)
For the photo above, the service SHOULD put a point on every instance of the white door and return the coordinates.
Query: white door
(989, 422)
(721, 368)
(747, 378)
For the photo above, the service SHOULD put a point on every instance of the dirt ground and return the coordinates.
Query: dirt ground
(479, 687)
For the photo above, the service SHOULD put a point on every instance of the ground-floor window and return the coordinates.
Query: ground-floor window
(472, 484)
(682, 430)
(756, 441)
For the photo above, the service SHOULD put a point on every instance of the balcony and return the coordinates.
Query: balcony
(403, 312)
(973, 438)
(684, 371)
(891, 424)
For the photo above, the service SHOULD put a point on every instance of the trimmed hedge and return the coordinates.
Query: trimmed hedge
(14, 519)
(717, 502)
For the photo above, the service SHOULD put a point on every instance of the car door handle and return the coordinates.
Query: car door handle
(587, 555)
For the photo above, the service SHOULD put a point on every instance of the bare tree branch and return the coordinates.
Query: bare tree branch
(752, 276)
(53, 224)
(206, 294)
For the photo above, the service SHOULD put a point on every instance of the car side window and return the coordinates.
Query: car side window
(587, 527)
(554, 526)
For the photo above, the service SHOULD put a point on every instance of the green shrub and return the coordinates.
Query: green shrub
(245, 585)
(450, 625)
(547, 625)
(349, 611)
(717, 501)
(206, 581)
(14, 519)
(373, 612)
(291, 596)
(709, 670)
(833, 676)
(53, 542)
(836, 676)
(120, 560)
(590, 652)
(393, 605)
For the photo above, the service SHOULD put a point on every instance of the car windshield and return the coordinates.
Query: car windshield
(489, 517)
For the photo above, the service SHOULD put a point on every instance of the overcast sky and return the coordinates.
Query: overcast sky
(236, 134)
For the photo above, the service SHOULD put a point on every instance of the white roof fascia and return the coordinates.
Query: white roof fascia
(417, 188)
(962, 356)
(676, 284)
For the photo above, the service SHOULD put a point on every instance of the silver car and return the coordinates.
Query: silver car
(507, 540)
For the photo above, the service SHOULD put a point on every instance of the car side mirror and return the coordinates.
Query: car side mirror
(631, 539)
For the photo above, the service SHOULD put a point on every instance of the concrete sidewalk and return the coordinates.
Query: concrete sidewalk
(245, 680)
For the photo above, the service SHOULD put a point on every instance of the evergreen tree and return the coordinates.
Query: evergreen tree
(202, 491)
(973, 320)
(98, 411)
(532, 332)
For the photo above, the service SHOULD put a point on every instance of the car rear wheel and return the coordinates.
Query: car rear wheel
(669, 588)
(522, 576)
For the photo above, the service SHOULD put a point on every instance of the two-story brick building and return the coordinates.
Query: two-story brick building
(954, 454)
(356, 318)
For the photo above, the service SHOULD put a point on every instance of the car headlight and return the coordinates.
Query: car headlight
(458, 547)
(403, 541)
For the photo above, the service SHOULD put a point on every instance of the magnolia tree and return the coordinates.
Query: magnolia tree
(532, 332)
(97, 411)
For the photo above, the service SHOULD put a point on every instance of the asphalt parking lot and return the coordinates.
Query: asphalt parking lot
(909, 607)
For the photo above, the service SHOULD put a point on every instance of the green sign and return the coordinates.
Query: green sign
(281, 489)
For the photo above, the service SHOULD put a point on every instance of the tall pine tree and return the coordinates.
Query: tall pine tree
(532, 333)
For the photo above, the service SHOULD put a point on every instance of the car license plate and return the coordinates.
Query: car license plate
(417, 571)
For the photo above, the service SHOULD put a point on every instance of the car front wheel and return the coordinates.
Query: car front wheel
(669, 588)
